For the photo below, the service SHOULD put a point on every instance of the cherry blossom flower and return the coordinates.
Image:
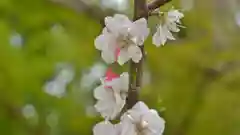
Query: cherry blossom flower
(142, 120)
(170, 23)
(111, 95)
(121, 38)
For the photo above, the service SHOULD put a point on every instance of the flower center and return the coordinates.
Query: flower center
(125, 39)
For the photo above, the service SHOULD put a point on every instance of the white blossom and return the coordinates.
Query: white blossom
(58, 85)
(111, 95)
(121, 38)
(65, 74)
(29, 111)
(170, 23)
(142, 120)
(162, 35)
(55, 88)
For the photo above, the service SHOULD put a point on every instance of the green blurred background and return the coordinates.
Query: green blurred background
(193, 82)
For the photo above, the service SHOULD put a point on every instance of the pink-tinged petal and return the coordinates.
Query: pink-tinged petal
(117, 52)
(110, 75)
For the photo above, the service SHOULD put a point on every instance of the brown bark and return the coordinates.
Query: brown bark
(141, 9)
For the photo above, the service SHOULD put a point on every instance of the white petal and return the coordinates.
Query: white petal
(127, 126)
(105, 31)
(167, 33)
(174, 15)
(140, 30)
(123, 57)
(116, 85)
(104, 128)
(138, 110)
(114, 24)
(109, 103)
(100, 42)
(122, 19)
(110, 24)
(162, 32)
(108, 56)
(119, 105)
(102, 93)
(156, 40)
(172, 26)
(155, 123)
(135, 53)
(140, 107)
(105, 108)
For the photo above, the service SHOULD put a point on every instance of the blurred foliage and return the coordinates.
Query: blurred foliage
(195, 83)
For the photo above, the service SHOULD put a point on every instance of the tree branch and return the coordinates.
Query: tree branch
(156, 4)
(141, 9)
(135, 73)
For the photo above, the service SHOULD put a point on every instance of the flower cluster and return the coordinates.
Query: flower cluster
(111, 94)
(140, 120)
(170, 23)
(121, 40)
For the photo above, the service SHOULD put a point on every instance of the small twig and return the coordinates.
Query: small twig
(154, 14)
